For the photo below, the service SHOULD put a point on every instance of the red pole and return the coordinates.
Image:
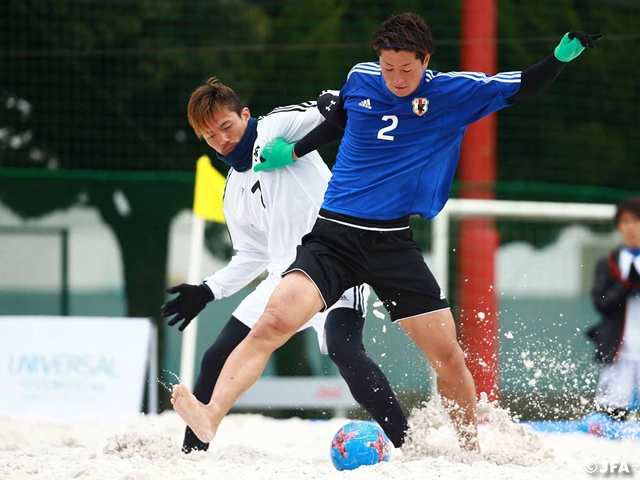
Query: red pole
(478, 238)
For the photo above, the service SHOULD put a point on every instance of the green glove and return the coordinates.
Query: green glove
(573, 44)
(275, 154)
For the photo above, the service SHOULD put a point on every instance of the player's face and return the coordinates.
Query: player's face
(402, 71)
(226, 130)
(629, 229)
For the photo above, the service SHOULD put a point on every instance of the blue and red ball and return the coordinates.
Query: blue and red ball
(359, 443)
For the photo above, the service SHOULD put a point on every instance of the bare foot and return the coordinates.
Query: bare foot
(193, 412)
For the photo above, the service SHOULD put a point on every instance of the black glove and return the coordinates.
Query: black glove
(187, 305)
(585, 39)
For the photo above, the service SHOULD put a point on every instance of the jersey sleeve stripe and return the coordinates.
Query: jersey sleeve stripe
(370, 65)
(509, 74)
(368, 72)
(480, 75)
(367, 67)
(485, 79)
(301, 107)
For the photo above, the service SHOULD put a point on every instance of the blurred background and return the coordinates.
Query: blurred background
(97, 165)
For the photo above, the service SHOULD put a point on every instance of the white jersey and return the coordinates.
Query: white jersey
(268, 213)
(630, 349)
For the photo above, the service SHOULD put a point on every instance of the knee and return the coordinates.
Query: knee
(271, 327)
(342, 351)
(450, 361)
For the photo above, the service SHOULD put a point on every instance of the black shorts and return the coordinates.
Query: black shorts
(341, 252)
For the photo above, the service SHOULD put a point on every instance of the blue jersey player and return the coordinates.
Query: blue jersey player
(401, 126)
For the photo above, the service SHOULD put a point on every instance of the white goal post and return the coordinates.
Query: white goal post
(455, 209)
(504, 209)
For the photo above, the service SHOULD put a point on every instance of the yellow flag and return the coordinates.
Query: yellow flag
(207, 199)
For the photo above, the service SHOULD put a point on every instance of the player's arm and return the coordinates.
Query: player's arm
(279, 153)
(250, 260)
(330, 131)
(474, 95)
(538, 77)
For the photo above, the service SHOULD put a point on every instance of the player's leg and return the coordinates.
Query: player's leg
(292, 304)
(435, 335)
(616, 388)
(317, 278)
(212, 362)
(367, 383)
(411, 294)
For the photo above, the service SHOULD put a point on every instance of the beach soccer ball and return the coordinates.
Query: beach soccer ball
(596, 423)
(601, 425)
(357, 444)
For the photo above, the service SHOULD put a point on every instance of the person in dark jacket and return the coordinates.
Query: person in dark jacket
(616, 296)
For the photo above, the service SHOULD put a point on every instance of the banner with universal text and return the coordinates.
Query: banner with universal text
(73, 367)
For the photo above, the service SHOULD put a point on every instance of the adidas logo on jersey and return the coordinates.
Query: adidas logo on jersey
(365, 104)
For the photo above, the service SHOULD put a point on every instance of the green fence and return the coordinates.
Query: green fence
(103, 84)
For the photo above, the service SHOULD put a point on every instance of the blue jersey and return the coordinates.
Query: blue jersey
(398, 155)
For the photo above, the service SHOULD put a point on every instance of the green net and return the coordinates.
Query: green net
(103, 84)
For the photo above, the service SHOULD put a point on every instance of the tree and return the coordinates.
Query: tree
(580, 131)
(102, 87)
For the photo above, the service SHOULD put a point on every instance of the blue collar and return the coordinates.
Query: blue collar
(240, 157)
(633, 251)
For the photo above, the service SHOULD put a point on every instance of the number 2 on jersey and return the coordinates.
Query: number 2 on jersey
(394, 123)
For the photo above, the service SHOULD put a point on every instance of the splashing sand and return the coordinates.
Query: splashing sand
(254, 447)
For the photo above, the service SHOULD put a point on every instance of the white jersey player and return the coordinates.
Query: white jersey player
(267, 214)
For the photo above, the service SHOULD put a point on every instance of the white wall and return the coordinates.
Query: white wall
(32, 262)
(556, 270)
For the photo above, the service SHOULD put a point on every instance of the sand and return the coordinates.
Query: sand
(256, 447)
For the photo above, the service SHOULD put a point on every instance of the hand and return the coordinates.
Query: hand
(187, 305)
(275, 154)
(573, 44)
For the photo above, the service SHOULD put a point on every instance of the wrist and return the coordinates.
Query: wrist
(290, 153)
(568, 49)
(205, 293)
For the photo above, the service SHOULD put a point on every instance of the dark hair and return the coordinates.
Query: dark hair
(207, 100)
(404, 31)
(631, 205)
